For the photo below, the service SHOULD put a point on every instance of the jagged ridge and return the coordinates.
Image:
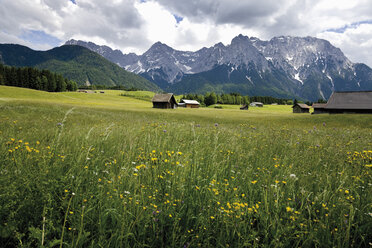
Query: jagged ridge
(303, 67)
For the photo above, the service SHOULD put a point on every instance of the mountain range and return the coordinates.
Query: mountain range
(290, 67)
(75, 63)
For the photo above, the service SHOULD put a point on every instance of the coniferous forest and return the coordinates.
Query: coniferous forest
(28, 77)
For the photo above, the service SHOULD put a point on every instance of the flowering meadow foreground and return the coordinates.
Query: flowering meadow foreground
(75, 175)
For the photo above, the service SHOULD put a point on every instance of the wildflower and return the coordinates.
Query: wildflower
(292, 175)
(254, 182)
(212, 217)
(284, 182)
(71, 212)
(347, 191)
(276, 181)
(164, 131)
(289, 209)
(66, 191)
(216, 124)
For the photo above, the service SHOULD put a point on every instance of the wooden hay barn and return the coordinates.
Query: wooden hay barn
(301, 108)
(164, 101)
(189, 103)
(256, 104)
(350, 102)
(319, 108)
(244, 107)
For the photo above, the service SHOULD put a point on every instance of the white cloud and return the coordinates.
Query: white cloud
(356, 42)
(134, 25)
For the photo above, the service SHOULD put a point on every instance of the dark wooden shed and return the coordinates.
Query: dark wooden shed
(244, 107)
(301, 108)
(350, 102)
(164, 101)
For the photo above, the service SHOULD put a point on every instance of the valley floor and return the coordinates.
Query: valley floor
(104, 170)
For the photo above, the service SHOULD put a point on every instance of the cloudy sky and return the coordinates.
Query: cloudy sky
(134, 25)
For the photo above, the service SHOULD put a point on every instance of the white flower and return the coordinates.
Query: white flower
(292, 176)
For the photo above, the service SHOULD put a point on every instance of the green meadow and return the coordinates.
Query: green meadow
(106, 170)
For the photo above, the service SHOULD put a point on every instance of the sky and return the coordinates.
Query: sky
(188, 25)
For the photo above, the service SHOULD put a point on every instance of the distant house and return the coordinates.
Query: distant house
(164, 101)
(87, 91)
(189, 103)
(301, 108)
(319, 108)
(350, 102)
(244, 107)
(256, 104)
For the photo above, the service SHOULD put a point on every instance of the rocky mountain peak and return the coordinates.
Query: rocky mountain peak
(293, 64)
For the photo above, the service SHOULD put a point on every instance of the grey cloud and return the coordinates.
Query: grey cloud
(244, 13)
(118, 23)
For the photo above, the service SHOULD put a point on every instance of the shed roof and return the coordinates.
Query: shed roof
(162, 97)
(350, 100)
(190, 101)
(302, 105)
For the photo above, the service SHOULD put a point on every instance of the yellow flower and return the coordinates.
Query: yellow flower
(212, 217)
(170, 216)
(66, 191)
(284, 182)
(276, 181)
(254, 182)
(347, 191)
(289, 209)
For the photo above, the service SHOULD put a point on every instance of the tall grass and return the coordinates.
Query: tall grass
(87, 177)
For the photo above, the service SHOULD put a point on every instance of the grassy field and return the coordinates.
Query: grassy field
(104, 170)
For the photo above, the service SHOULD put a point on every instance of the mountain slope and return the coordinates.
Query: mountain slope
(76, 63)
(301, 67)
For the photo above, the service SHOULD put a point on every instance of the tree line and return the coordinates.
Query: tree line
(233, 99)
(32, 78)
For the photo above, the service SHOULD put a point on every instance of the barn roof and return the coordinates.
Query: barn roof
(302, 105)
(350, 100)
(319, 105)
(163, 97)
(190, 101)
